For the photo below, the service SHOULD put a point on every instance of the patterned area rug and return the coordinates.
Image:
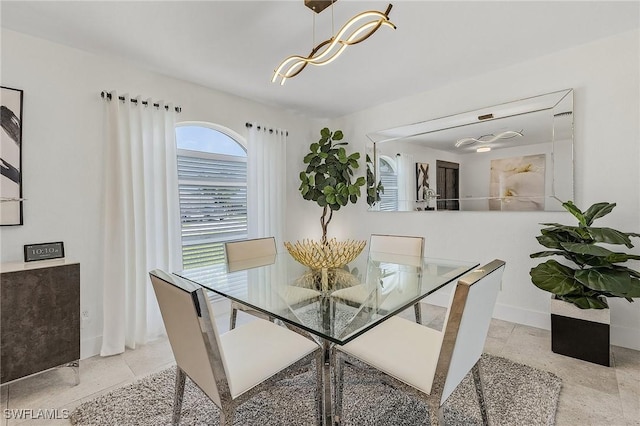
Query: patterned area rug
(515, 395)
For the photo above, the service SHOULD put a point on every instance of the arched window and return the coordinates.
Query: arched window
(212, 184)
(389, 179)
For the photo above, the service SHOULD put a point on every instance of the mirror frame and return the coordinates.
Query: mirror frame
(554, 101)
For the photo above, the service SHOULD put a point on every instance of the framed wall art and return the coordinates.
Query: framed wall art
(11, 156)
(422, 181)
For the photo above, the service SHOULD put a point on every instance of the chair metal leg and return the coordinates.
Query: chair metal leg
(319, 388)
(418, 312)
(179, 394)
(480, 392)
(338, 389)
(232, 318)
(226, 416)
(436, 417)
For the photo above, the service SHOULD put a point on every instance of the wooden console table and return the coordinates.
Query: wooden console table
(39, 317)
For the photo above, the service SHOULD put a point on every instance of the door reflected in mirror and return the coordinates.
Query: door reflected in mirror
(516, 156)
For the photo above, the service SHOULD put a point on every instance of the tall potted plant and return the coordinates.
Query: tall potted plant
(582, 283)
(328, 180)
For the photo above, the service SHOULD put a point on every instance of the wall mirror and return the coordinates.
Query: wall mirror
(516, 156)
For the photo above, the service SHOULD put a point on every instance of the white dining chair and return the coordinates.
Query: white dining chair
(424, 362)
(244, 254)
(232, 367)
(400, 245)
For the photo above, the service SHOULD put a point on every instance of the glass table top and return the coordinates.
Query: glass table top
(355, 298)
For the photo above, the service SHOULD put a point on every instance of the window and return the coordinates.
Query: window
(212, 184)
(389, 179)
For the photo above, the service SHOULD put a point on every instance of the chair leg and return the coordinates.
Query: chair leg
(226, 416)
(480, 392)
(179, 394)
(436, 417)
(232, 318)
(338, 389)
(319, 388)
(418, 312)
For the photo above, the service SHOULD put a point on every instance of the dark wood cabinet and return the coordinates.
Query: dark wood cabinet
(40, 317)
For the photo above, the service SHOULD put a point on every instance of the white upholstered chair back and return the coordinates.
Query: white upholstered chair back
(238, 251)
(191, 330)
(397, 244)
(468, 323)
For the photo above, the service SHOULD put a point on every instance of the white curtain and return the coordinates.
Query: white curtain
(266, 171)
(407, 191)
(141, 218)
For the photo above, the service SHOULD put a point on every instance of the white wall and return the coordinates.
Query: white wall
(63, 147)
(605, 77)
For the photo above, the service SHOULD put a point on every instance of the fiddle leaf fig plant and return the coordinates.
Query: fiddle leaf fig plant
(328, 177)
(594, 272)
(373, 190)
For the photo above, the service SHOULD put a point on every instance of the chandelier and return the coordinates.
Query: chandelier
(356, 30)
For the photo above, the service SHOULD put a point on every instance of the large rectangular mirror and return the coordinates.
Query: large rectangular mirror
(516, 156)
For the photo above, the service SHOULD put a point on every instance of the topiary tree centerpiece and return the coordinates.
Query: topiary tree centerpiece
(328, 180)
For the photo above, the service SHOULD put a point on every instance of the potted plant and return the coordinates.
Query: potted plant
(581, 284)
(328, 181)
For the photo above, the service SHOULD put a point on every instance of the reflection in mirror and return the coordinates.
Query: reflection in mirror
(516, 156)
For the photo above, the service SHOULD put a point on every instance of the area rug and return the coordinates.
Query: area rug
(515, 394)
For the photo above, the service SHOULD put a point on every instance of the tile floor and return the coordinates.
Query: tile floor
(591, 394)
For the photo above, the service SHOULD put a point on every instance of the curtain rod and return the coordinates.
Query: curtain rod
(249, 125)
(104, 94)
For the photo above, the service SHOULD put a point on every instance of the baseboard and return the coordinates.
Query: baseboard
(625, 337)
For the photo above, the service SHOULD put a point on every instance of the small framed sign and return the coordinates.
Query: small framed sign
(43, 251)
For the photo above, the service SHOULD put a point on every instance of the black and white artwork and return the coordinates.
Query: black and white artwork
(11, 157)
(422, 180)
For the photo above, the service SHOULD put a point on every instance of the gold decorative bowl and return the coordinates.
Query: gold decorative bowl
(332, 254)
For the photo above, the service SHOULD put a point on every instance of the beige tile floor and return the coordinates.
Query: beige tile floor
(591, 394)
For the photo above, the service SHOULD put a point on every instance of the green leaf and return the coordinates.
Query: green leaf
(586, 302)
(353, 198)
(588, 249)
(596, 211)
(545, 254)
(304, 189)
(314, 147)
(549, 241)
(634, 288)
(335, 206)
(354, 156)
(331, 199)
(337, 135)
(312, 180)
(325, 133)
(303, 177)
(353, 190)
(604, 280)
(328, 190)
(553, 277)
(609, 236)
(571, 208)
(360, 181)
(307, 158)
(322, 201)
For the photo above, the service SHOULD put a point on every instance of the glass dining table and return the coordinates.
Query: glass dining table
(332, 306)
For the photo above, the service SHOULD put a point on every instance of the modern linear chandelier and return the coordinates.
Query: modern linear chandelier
(356, 30)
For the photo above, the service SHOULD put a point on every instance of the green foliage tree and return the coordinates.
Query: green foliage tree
(373, 190)
(596, 272)
(327, 179)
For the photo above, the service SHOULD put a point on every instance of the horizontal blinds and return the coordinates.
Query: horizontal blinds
(213, 205)
(389, 199)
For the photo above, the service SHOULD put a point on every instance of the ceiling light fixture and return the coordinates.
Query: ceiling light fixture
(488, 138)
(484, 149)
(356, 30)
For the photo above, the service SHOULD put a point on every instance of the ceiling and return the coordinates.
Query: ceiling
(234, 46)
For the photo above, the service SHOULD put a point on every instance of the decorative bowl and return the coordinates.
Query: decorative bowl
(332, 254)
